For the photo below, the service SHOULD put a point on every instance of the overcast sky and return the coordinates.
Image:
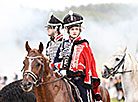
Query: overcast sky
(57, 4)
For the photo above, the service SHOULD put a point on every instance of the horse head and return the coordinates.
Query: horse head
(115, 64)
(33, 68)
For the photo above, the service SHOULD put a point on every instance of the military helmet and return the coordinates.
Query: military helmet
(72, 19)
(53, 21)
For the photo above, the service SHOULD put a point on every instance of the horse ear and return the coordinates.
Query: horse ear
(125, 49)
(41, 47)
(27, 46)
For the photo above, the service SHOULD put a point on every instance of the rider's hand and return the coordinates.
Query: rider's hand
(98, 97)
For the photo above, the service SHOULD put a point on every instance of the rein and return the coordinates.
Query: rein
(125, 71)
(114, 70)
(35, 77)
(51, 81)
(44, 83)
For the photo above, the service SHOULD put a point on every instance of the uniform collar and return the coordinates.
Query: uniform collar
(58, 37)
(76, 39)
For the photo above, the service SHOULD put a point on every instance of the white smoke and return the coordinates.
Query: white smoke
(106, 37)
(17, 25)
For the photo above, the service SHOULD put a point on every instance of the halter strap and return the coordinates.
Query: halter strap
(36, 57)
(27, 72)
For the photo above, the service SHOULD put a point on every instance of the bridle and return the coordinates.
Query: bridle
(114, 70)
(30, 73)
(37, 79)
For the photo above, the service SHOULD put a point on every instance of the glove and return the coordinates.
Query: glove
(98, 97)
(63, 72)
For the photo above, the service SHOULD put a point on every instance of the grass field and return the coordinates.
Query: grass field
(115, 100)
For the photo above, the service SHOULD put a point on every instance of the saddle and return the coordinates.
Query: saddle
(73, 91)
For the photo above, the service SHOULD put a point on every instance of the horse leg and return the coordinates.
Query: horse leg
(104, 93)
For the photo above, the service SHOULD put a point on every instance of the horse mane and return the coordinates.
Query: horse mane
(13, 93)
(134, 67)
(135, 64)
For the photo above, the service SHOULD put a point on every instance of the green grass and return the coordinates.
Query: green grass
(115, 100)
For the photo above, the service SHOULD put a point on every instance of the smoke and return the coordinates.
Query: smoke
(19, 24)
(105, 36)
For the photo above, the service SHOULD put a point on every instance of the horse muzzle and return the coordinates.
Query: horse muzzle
(106, 72)
(26, 85)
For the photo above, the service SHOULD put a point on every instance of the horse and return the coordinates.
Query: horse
(14, 93)
(47, 84)
(122, 62)
(104, 93)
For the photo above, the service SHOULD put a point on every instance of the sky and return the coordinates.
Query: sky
(61, 4)
(13, 21)
(58, 4)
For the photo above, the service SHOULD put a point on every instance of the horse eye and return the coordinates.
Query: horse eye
(117, 59)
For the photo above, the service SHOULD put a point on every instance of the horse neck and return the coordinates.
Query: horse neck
(47, 70)
(130, 63)
(52, 92)
(129, 79)
(42, 91)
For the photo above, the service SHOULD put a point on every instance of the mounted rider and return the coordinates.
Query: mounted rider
(53, 26)
(75, 58)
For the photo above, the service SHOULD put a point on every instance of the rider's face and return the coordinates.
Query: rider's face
(74, 31)
(50, 31)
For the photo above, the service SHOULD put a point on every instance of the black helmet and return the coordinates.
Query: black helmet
(72, 19)
(53, 21)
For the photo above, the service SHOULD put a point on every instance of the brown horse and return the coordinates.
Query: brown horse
(104, 93)
(48, 86)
